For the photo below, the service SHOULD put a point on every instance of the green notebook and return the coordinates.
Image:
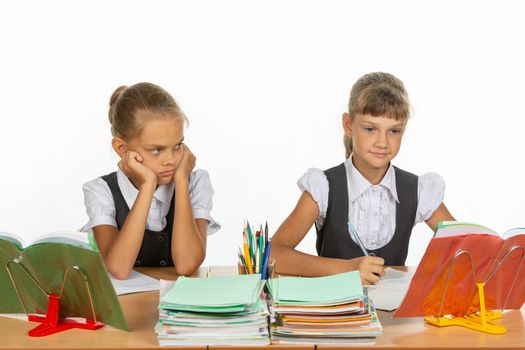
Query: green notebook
(219, 294)
(317, 290)
(47, 260)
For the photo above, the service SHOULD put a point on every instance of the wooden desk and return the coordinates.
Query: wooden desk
(141, 313)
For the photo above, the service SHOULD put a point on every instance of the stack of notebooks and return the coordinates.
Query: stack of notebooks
(222, 310)
(322, 310)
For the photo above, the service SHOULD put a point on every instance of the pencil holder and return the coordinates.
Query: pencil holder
(243, 270)
(268, 273)
(254, 256)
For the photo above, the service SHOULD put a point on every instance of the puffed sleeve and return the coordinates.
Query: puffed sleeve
(431, 191)
(314, 181)
(201, 196)
(100, 206)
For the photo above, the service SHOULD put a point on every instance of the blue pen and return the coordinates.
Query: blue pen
(265, 261)
(354, 234)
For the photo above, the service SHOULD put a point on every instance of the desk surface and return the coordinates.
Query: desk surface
(141, 313)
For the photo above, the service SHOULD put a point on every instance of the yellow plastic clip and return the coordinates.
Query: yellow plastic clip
(479, 321)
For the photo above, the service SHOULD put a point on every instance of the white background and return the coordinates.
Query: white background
(264, 85)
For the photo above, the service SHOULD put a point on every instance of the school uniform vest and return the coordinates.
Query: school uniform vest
(334, 240)
(156, 246)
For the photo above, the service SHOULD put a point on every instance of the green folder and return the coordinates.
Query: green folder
(44, 264)
(335, 289)
(219, 294)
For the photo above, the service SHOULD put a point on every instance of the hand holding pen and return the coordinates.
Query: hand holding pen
(357, 239)
(370, 267)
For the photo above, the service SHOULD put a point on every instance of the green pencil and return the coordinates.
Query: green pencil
(261, 252)
(250, 243)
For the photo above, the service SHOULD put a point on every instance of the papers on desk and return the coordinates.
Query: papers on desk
(389, 292)
(136, 282)
(322, 310)
(221, 310)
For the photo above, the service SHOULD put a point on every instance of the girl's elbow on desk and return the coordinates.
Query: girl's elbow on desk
(116, 267)
(187, 266)
(186, 269)
(120, 274)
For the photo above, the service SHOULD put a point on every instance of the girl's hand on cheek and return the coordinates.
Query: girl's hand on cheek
(138, 173)
(186, 164)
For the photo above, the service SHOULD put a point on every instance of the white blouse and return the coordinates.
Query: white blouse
(372, 208)
(100, 206)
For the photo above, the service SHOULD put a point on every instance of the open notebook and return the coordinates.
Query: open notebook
(135, 283)
(388, 293)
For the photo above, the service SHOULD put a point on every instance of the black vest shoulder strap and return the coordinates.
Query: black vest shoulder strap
(328, 244)
(121, 207)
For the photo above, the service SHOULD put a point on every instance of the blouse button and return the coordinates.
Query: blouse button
(162, 263)
(374, 213)
(137, 263)
(160, 238)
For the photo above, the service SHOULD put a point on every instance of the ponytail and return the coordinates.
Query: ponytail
(349, 147)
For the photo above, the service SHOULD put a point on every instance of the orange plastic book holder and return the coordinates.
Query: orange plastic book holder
(480, 320)
(459, 284)
(51, 323)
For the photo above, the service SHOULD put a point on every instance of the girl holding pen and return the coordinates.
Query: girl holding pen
(366, 191)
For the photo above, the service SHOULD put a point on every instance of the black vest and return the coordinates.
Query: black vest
(334, 241)
(156, 246)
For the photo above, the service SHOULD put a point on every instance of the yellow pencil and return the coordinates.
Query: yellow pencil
(247, 257)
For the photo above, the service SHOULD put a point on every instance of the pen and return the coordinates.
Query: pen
(261, 252)
(353, 233)
(256, 261)
(265, 263)
(266, 233)
(254, 243)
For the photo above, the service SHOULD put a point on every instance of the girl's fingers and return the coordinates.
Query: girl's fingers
(376, 260)
(370, 278)
(131, 159)
(131, 155)
(377, 269)
(126, 158)
(137, 157)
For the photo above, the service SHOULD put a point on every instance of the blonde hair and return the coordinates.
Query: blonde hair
(125, 102)
(380, 95)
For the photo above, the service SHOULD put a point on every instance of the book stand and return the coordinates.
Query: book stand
(50, 323)
(480, 320)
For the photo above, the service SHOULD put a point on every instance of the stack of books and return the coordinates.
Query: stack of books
(222, 310)
(322, 310)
